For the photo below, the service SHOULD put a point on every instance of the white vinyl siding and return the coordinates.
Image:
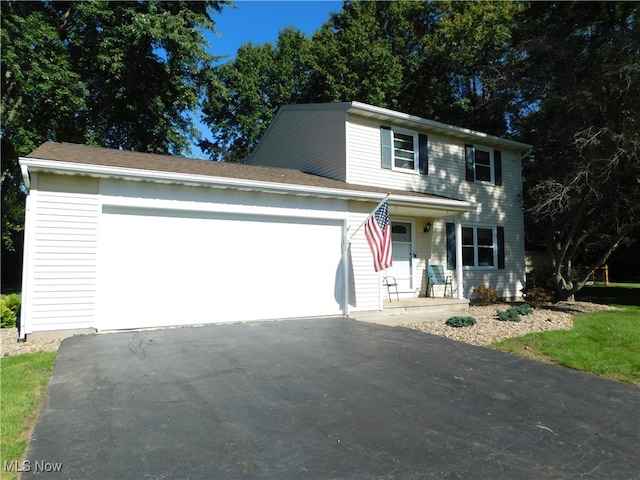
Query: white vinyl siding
(366, 284)
(499, 205)
(310, 141)
(60, 287)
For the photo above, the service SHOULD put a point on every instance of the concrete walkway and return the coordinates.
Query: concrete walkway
(324, 399)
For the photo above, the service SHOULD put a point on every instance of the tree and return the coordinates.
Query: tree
(440, 60)
(353, 59)
(465, 62)
(579, 73)
(243, 95)
(115, 74)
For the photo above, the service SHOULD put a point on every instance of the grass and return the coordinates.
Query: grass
(605, 343)
(24, 380)
(614, 294)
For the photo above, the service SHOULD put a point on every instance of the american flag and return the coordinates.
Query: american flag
(378, 233)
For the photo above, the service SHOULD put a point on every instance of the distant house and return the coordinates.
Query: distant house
(118, 240)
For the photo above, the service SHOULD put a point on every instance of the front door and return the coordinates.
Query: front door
(402, 247)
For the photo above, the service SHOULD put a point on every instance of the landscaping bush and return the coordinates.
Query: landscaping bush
(9, 310)
(509, 315)
(537, 296)
(524, 309)
(485, 295)
(461, 322)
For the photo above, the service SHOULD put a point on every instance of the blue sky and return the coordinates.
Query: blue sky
(260, 22)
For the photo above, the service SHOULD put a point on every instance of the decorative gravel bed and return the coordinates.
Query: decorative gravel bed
(489, 329)
(9, 343)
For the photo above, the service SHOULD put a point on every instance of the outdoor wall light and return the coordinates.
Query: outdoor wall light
(427, 227)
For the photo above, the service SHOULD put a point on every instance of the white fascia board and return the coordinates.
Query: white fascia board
(71, 168)
(441, 127)
(391, 115)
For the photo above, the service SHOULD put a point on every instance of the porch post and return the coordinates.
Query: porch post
(459, 269)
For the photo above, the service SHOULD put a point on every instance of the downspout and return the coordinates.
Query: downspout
(526, 154)
(345, 268)
(459, 269)
(24, 294)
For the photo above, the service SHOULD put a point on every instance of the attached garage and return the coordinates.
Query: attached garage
(160, 267)
(121, 240)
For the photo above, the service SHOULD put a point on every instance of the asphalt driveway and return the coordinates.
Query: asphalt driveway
(324, 398)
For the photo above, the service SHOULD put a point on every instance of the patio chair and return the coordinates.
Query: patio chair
(436, 276)
(391, 282)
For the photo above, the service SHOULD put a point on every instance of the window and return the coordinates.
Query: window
(482, 247)
(404, 150)
(483, 165)
(478, 247)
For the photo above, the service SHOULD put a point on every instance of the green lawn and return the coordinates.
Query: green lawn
(603, 343)
(24, 380)
(614, 294)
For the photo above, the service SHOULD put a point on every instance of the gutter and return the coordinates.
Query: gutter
(69, 168)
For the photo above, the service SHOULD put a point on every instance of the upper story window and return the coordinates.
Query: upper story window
(483, 165)
(404, 150)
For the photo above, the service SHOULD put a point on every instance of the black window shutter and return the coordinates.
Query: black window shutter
(497, 165)
(470, 163)
(451, 246)
(423, 152)
(500, 232)
(386, 140)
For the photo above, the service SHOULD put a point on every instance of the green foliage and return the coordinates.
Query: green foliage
(9, 310)
(509, 315)
(24, 382)
(461, 322)
(578, 109)
(245, 93)
(116, 74)
(602, 343)
(524, 309)
(485, 295)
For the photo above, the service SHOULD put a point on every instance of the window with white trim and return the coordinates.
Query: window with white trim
(483, 165)
(482, 247)
(479, 247)
(404, 150)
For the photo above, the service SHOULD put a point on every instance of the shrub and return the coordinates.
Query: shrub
(509, 315)
(537, 296)
(485, 295)
(524, 309)
(461, 322)
(9, 310)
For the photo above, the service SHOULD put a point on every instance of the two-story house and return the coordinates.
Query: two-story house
(365, 145)
(118, 240)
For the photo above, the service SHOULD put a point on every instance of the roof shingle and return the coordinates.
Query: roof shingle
(83, 154)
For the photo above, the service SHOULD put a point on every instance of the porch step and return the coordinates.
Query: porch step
(412, 310)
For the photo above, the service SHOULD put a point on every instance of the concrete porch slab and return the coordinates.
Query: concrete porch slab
(413, 310)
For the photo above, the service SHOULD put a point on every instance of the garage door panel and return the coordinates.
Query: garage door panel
(166, 269)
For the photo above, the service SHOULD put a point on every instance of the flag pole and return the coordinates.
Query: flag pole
(369, 216)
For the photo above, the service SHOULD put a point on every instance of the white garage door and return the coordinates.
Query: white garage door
(161, 268)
